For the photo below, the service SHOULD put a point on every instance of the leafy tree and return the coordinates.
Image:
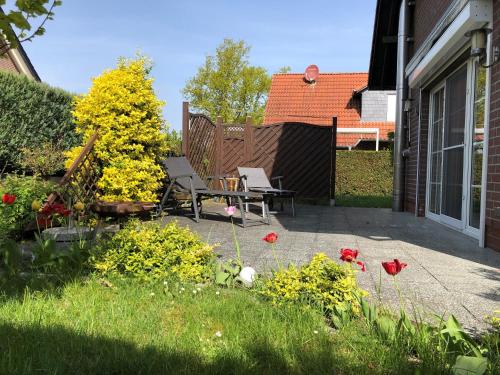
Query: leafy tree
(28, 17)
(227, 85)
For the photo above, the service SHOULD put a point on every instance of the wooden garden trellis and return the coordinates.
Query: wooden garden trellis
(79, 183)
(303, 153)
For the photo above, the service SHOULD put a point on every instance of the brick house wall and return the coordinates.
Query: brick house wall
(493, 185)
(7, 64)
(426, 15)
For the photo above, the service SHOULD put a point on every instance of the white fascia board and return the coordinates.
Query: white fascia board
(474, 15)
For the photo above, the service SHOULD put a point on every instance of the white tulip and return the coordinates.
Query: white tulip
(247, 275)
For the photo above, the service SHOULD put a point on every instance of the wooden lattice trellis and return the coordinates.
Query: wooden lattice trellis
(79, 183)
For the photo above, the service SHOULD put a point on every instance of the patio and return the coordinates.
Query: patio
(447, 272)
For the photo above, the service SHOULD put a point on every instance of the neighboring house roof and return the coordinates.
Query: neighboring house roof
(293, 99)
(16, 60)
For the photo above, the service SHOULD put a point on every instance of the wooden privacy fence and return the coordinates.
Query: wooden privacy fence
(303, 153)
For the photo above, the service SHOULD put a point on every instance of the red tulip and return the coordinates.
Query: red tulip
(362, 265)
(348, 255)
(55, 208)
(271, 237)
(8, 198)
(393, 268)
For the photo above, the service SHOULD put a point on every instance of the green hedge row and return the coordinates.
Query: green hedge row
(364, 173)
(32, 113)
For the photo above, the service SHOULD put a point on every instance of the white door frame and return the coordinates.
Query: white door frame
(463, 224)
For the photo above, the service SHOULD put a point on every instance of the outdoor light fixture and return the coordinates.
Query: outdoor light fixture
(478, 48)
(478, 42)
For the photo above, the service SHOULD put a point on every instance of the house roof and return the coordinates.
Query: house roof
(20, 59)
(383, 58)
(291, 98)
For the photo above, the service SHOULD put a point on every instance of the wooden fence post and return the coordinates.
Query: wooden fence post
(333, 165)
(219, 146)
(248, 142)
(185, 129)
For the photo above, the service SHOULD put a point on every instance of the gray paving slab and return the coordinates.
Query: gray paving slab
(447, 272)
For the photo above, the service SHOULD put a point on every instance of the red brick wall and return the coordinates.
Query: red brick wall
(493, 185)
(425, 18)
(426, 14)
(7, 64)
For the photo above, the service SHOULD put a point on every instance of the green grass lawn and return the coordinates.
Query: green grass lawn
(128, 327)
(375, 201)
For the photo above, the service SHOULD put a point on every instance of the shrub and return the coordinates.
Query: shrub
(123, 107)
(321, 283)
(364, 173)
(15, 217)
(44, 160)
(149, 251)
(32, 114)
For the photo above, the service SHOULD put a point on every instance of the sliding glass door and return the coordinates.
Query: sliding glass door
(455, 149)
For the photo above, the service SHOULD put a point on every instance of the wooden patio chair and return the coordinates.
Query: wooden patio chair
(184, 179)
(255, 180)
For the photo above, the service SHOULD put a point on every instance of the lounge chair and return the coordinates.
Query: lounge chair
(255, 180)
(184, 179)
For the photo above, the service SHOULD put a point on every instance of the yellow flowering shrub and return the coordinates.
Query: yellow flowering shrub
(150, 251)
(322, 283)
(122, 106)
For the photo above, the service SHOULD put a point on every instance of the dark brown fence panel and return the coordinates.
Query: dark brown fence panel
(303, 153)
(233, 149)
(202, 145)
(299, 152)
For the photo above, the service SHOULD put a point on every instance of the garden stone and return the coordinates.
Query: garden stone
(65, 234)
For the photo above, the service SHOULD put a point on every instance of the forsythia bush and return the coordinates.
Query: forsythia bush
(149, 251)
(123, 107)
(322, 283)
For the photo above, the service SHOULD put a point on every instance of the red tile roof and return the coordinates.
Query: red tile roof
(291, 98)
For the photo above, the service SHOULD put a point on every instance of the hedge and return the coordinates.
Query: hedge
(364, 173)
(32, 113)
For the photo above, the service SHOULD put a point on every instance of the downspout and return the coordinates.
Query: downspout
(401, 92)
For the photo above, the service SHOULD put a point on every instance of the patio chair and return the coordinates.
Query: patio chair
(255, 180)
(184, 179)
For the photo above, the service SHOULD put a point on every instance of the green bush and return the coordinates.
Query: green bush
(15, 217)
(149, 251)
(321, 283)
(31, 114)
(363, 173)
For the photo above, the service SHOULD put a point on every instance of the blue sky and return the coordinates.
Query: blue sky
(87, 36)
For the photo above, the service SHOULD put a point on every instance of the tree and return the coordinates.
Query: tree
(228, 86)
(28, 17)
(122, 106)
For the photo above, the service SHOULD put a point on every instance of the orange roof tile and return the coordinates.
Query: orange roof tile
(291, 98)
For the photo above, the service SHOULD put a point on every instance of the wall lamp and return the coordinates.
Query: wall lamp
(478, 39)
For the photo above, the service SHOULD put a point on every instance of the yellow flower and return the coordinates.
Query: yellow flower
(36, 205)
(79, 206)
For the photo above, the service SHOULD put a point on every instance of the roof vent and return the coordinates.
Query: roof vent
(311, 74)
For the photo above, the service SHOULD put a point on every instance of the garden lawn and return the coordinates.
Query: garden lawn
(98, 326)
